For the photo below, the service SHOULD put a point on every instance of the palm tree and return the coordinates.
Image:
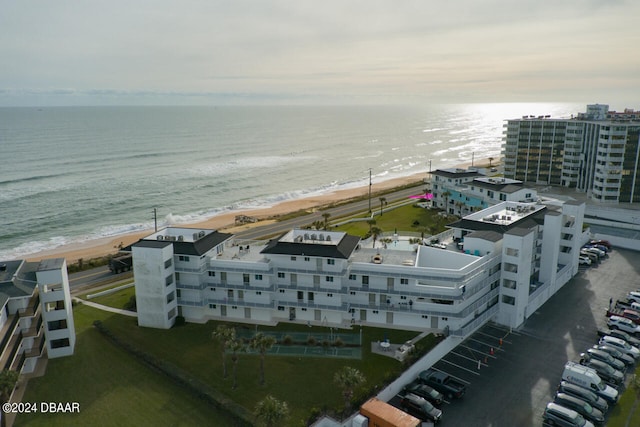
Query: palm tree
(235, 346)
(383, 201)
(375, 232)
(348, 379)
(224, 335)
(8, 380)
(318, 225)
(371, 223)
(272, 411)
(262, 343)
(490, 160)
(446, 196)
(326, 216)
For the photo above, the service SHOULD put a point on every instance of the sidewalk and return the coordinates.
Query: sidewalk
(105, 307)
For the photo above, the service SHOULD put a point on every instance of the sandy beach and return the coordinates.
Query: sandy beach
(226, 222)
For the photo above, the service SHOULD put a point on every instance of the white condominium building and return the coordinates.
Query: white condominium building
(597, 152)
(36, 317)
(501, 263)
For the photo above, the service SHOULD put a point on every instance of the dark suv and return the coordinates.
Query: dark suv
(423, 390)
(585, 394)
(581, 407)
(557, 415)
(420, 407)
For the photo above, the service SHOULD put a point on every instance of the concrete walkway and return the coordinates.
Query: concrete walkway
(105, 307)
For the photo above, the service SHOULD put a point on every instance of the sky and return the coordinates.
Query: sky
(216, 52)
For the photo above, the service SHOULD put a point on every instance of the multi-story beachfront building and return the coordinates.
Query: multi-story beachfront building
(597, 152)
(462, 191)
(501, 263)
(36, 317)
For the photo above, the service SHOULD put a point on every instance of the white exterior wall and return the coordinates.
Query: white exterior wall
(55, 303)
(151, 288)
(517, 251)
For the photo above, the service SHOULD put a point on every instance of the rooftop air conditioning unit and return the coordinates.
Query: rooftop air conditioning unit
(201, 234)
(160, 238)
(180, 238)
(195, 236)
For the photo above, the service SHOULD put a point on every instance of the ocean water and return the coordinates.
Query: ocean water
(70, 174)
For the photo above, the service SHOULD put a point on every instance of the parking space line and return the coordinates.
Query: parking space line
(461, 367)
(495, 348)
(453, 376)
(497, 338)
(468, 358)
(473, 352)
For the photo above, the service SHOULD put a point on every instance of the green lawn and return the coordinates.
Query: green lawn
(112, 388)
(117, 299)
(620, 412)
(403, 218)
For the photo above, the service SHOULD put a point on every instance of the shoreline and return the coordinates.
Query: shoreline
(105, 246)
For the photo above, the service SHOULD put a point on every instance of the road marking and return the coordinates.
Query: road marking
(497, 338)
(467, 358)
(460, 367)
(453, 376)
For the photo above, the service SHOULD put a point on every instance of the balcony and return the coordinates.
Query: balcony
(34, 330)
(32, 307)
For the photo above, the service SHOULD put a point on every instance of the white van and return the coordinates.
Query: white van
(588, 378)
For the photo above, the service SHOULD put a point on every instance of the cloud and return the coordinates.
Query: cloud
(306, 50)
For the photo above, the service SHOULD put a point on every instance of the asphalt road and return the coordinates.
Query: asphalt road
(513, 388)
(347, 209)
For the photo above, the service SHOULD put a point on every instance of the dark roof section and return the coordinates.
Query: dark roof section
(498, 186)
(488, 235)
(158, 244)
(456, 173)
(519, 231)
(198, 248)
(526, 222)
(343, 249)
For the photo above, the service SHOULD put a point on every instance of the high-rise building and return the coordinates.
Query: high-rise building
(596, 152)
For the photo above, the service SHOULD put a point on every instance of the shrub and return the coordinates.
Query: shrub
(338, 342)
(180, 321)
(311, 341)
(287, 340)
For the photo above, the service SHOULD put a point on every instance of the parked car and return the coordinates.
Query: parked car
(581, 407)
(605, 371)
(605, 243)
(634, 296)
(617, 333)
(420, 407)
(423, 390)
(594, 353)
(558, 415)
(596, 251)
(593, 257)
(442, 382)
(625, 358)
(624, 324)
(584, 260)
(584, 394)
(620, 345)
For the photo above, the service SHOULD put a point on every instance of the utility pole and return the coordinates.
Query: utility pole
(155, 218)
(369, 190)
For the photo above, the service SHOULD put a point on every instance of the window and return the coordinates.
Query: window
(245, 278)
(168, 263)
(212, 289)
(258, 292)
(293, 258)
(55, 325)
(183, 258)
(171, 297)
(280, 275)
(258, 276)
(178, 293)
(508, 300)
(352, 293)
(512, 252)
(404, 281)
(168, 280)
(330, 295)
(331, 261)
(365, 280)
(213, 306)
(307, 258)
(509, 284)
(328, 279)
(280, 308)
(403, 297)
(352, 277)
(64, 342)
(282, 291)
(375, 311)
(212, 274)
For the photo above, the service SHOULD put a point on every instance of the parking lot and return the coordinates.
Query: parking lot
(511, 375)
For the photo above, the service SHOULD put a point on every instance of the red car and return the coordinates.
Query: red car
(632, 315)
(601, 242)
